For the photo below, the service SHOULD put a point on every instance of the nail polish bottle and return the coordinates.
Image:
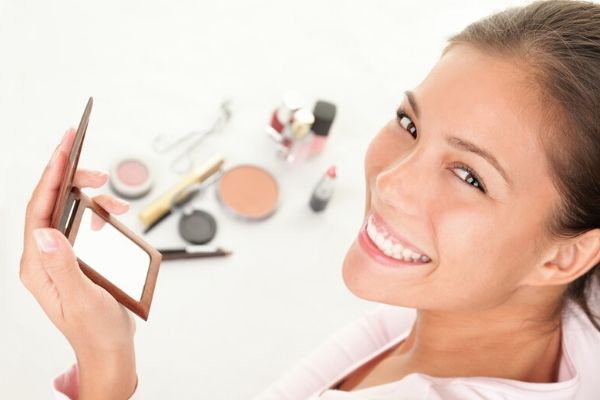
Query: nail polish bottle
(296, 133)
(323, 191)
(282, 115)
(324, 113)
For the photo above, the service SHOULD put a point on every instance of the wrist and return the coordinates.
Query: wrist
(107, 375)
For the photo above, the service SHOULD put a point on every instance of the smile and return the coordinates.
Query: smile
(377, 240)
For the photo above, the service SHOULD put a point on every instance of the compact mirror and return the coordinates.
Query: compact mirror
(93, 230)
(108, 252)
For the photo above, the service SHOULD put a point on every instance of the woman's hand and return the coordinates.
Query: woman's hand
(98, 328)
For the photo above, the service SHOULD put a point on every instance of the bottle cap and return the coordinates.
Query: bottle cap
(331, 172)
(290, 102)
(324, 113)
(301, 123)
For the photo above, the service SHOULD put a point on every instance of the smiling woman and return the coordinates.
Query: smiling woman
(482, 213)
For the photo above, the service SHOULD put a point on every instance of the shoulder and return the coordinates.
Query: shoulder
(577, 326)
(581, 347)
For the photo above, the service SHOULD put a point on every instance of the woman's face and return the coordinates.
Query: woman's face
(455, 217)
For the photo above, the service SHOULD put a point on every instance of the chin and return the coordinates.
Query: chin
(356, 277)
(370, 280)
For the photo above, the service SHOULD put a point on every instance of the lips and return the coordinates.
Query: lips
(387, 246)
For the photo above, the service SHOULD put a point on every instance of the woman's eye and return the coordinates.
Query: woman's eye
(467, 175)
(405, 122)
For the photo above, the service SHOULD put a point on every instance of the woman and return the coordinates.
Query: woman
(482, 213)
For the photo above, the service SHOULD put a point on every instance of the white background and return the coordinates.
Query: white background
(219, 328)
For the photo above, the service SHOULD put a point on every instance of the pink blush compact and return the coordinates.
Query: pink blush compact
(131, 178)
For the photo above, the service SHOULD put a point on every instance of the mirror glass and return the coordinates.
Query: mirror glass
(110, 253)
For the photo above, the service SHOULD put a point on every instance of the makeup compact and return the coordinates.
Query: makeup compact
(197, 226)
(108, 253)
(131, 178)
(248, 192)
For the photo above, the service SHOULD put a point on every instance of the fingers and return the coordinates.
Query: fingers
(59, 262)
(39, 209)
(89, 178)
(97, 222)
(111, 204)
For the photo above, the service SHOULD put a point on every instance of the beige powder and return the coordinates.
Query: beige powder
(249, 191)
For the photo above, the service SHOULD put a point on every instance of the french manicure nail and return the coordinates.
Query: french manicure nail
(45, 241)
(121, 202)
(100, 174)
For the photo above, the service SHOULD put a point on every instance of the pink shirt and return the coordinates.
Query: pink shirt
(385, 327)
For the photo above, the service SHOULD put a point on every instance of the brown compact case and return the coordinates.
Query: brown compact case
(67, 218)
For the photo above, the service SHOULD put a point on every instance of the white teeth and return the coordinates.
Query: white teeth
(379, 240)
(371, 229)
(390, 249)
(387, 245)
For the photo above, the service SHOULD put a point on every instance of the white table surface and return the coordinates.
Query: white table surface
(219, 328)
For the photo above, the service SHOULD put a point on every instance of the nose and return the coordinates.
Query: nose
(402, 185)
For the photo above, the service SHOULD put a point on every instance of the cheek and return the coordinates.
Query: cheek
(483, 256)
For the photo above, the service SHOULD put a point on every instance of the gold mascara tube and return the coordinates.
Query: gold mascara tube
(161, 207)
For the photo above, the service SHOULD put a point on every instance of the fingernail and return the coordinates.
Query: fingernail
(45, 241)
(100, 174)
(121, 202)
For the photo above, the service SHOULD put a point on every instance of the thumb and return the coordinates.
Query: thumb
(59, 261)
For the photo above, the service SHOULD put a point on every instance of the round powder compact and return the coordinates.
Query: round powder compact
(131, 178)
(249, 192)
(197, 226)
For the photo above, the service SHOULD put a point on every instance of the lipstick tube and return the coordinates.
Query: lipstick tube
(323, 191)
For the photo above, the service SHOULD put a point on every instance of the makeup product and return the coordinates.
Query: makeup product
(161, 207)
(108, 253)
(323, 191)
(248, 192)
(282, 115)
(198, 251)
(184, 160)
(197, 226)
(302, 120)
(297, 133)
(131, 178)
(185, 195)
(324, 113)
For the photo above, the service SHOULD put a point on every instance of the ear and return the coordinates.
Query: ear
(568, 260)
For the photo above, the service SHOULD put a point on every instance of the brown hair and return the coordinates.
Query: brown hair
(559, 41)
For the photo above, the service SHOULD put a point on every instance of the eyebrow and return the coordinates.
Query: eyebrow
(463, 144)
(413, 103)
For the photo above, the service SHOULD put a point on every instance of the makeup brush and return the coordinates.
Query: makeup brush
(198, 251)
